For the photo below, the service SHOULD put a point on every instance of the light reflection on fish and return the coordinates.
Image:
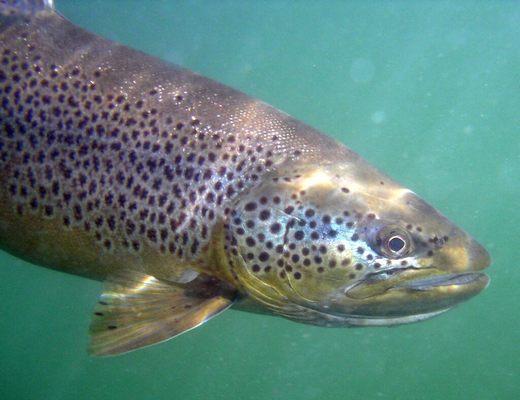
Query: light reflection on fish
(187, 196)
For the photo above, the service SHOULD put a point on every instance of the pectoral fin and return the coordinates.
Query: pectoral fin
(137, 310)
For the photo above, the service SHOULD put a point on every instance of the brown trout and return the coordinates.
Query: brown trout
(186, 197)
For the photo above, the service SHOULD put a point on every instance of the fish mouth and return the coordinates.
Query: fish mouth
(410, 294)
(468, 278)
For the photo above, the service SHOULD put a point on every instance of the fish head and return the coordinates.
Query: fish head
(343, 244)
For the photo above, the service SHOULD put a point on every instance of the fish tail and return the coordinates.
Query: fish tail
(11, 7)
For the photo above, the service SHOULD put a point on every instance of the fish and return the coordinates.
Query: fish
(187, 197)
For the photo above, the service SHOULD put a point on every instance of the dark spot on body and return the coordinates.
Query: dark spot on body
(264, 215)
(251, 206)
(263, 256)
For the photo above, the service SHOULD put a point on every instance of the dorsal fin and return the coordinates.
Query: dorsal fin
(137, 310)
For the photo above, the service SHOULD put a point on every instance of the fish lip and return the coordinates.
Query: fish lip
(402, 296)
(436, 281)
(375, 321)
(389, 274)
(413, 279)
(382, 276)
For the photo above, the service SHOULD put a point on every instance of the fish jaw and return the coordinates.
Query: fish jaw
(409, 294)
(413, 292)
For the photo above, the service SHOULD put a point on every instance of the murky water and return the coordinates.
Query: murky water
(427, 91)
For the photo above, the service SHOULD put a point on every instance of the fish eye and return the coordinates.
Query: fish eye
(393, 242)
(396, 244)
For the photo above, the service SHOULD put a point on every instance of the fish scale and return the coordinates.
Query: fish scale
(128, 165)
(186, 197)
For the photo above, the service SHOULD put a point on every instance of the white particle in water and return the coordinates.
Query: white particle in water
(378, 117)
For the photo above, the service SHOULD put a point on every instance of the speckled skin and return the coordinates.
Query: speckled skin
(111, 159)
(120, 157)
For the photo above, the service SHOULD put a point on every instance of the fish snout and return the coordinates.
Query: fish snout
(461, 254)
(478, 256)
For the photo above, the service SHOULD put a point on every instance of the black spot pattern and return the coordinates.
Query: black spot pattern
(121, 168)
(294, 240)
(134, 156)
(312, 232)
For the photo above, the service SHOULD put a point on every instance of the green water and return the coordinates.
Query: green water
(427, 91)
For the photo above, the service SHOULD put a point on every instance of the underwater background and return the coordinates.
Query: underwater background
(428, 91)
